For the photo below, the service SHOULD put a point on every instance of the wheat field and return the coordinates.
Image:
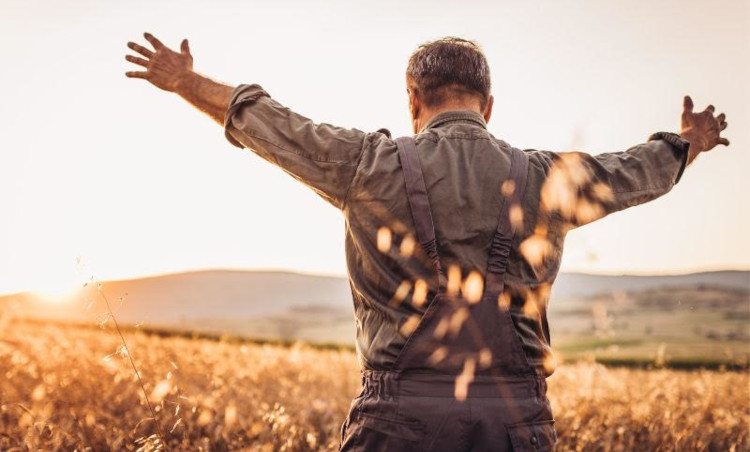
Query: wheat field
(72, 388)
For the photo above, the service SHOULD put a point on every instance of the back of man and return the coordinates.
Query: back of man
(464, 169)
(470, 385)
(453, 241)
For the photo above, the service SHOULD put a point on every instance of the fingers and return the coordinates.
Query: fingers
(135, 74)
(154, 42)
(687, 104)
(722, 121)
(140, 49)
(185, 47)
(137, 60)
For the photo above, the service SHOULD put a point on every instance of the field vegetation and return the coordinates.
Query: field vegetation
(67, 387)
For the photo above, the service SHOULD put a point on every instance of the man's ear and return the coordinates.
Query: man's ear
(415, 104)
(488, 109)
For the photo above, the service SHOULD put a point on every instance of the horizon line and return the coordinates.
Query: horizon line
(345, 276)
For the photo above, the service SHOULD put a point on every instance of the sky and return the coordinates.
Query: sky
(136, 182)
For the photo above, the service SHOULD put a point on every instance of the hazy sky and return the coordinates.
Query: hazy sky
(135, 181)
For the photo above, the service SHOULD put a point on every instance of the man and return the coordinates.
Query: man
(453, 240)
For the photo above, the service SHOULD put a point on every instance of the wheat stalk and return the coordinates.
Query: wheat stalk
(111, 313)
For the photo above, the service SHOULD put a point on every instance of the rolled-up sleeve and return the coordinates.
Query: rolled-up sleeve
(582, 187)
(322, 156)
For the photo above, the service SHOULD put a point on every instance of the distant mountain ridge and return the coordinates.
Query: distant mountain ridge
(165, 299)
(249, 301)
(584, 284)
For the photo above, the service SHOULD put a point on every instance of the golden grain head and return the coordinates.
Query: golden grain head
(438, 355)
(401, 292)
(230, 415)
(384, 240)
(602, 192)
(161, 390)
(507, 188)
(587, 211)
(535, 248)
(503, 300)
(409, 325)
(420, 292)
(464, 379)
(457, 320)
(485, 357)
(408, 244)
(442, 327)
(516, 217)
(473, 287)
(454, 280)
(531, 303)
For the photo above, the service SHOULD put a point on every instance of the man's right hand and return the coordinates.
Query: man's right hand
(173, 71)
(702, 129)
(165, 68)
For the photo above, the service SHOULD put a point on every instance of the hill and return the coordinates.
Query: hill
(700, 315)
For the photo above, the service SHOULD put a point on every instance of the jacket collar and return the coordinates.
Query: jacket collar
(455, 115)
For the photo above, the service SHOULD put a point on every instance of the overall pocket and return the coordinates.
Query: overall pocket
(375, 432)
(533, 436)
(403, 428)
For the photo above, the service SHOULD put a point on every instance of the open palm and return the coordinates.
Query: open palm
(164, 67)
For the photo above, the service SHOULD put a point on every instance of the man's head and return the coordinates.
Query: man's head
(447, 74)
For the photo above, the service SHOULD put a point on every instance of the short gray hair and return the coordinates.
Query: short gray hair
(446, 67)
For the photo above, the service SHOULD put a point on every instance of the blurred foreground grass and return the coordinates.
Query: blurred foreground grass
(72, 388)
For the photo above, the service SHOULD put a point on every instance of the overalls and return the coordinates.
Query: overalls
(461, 381)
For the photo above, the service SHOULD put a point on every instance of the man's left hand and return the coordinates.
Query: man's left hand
(702, 129)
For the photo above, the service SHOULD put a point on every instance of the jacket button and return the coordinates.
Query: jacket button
(534, 440)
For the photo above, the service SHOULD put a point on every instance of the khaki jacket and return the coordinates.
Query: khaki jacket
(464, 170)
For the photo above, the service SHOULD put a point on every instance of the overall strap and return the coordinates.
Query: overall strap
(497, 262)
(416, 192)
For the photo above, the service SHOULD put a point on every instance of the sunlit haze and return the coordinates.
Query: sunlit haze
(137, 182)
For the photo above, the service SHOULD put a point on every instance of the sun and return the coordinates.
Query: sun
(56, 292)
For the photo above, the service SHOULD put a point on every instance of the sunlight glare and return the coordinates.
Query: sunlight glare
(57, 292)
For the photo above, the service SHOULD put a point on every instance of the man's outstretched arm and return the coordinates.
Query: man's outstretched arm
(322, 156)
(582, 188)
(173, 71)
